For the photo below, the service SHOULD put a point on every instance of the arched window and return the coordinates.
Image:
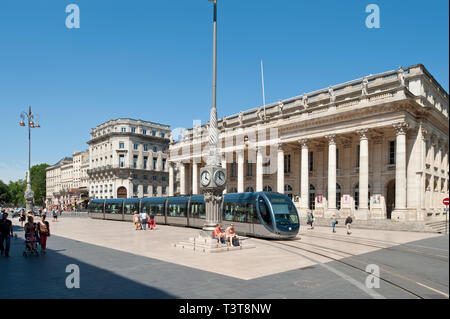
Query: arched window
(267, 188)
(288, 190)
(312, 197)
(356, 196)
(233, 190)
(249, 189)
(338, 196)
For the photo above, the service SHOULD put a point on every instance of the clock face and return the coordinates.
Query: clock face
(205, 178)
(220, 178)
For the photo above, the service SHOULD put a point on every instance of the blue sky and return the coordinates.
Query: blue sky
(151, 59)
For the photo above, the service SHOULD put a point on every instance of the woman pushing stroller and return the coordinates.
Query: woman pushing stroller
(31, 235)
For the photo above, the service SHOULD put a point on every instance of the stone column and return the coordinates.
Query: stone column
(363, 174)
(304, 181)
(280, 170)
(240, 170)
(438, 165)
(433, 142)
(182, 179)
(259, 169)
(400, 171)
(171, 181)
(331, 175)
(194, 177)
(224, 165)
(423, 159)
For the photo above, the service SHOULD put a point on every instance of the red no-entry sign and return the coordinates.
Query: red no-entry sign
(445, 201)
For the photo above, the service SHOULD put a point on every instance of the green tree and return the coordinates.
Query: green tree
(4, 193)
(38, 182)
(17, 191)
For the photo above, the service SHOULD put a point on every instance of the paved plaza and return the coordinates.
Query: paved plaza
(115, 261)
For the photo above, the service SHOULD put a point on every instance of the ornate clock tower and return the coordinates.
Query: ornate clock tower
(213, 178)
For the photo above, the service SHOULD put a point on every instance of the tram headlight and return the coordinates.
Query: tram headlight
(290, 228)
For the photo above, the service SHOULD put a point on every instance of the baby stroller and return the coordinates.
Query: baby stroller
(31, 246)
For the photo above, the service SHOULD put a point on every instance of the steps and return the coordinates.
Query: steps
(438, 226)
(210, 245)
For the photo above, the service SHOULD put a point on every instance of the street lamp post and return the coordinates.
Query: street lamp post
(213, 176)
(29, 118)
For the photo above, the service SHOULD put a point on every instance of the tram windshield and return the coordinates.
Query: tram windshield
(284, 210)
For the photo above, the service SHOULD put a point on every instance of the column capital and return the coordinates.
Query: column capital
(304, 142)
(279, 146)
(363, 134)
(401, 128)
(331, 139)
(433, 139)
(423, 131)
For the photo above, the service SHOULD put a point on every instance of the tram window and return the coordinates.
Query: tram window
(198, 210)
(113, 208)
(177, 210)
(252, 214)
(131, 208)
(157, 209)
(264, 211)
(228, 212)
(241, 213)
(96, 208)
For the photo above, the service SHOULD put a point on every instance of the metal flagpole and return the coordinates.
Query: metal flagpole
(264, 94)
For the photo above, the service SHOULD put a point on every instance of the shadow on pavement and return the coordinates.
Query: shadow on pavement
(45, 276)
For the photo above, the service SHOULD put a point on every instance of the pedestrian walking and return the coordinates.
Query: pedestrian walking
(151, 222)
(31, 233)
(55, 216)
(6, 232)
(348, 222)
(334, 222)
(44, 231)
(136, 221)
(310, 220)
(23, 217)
(144, 220)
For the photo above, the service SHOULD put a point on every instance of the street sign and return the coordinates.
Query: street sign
(445, 201)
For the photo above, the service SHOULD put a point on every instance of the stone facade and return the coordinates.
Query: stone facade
(128, 158)
(67, 180)
(383, 138)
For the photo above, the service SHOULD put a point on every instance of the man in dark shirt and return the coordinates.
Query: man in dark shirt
(6, 232)
(348, 222)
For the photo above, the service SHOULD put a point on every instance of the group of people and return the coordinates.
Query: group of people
(228, 237)
(34, 232)
(141, 220)
(348, 221)
(37, 233)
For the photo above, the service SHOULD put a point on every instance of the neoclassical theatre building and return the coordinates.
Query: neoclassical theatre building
(374, 148)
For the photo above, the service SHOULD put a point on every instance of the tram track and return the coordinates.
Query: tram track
(381, 245)
(326, 251)
(365, 261)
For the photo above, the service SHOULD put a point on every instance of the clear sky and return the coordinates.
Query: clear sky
(151, 59)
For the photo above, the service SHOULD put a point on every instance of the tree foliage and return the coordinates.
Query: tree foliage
(4, 193)
(38, 183)
(17, 191)
(14, 192)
